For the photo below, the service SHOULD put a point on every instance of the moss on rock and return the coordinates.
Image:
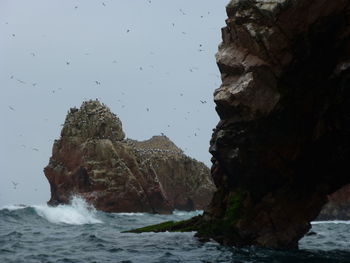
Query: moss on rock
(171, 226)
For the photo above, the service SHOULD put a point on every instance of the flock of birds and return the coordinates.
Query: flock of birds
(98, 82)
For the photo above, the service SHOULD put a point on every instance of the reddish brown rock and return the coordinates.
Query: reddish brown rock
(92, 159)
(283, 141)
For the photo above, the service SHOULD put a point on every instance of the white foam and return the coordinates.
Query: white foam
(76, 213)
(331, 222)
(130, 214)
(13, 207)
(187, 213)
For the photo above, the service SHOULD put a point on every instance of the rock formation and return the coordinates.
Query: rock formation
(92, 159)
(282, 144)
(283, 141)
(338, 206)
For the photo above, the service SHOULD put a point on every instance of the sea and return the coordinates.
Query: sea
(78, 233)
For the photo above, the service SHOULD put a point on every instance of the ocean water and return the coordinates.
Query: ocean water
(78, 233)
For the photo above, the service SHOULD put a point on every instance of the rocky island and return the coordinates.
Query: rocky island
(93, 159)
(282, 144)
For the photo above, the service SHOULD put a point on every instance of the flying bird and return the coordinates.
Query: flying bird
(128, 30)
(13, 35)
(67, 62)
(35, 149)
(97, 82)
(21, 81)
(32, 53)
(103, 4)
(147, 109)
(14, 184)
(182, 12)
(203, 101)
(11, 108)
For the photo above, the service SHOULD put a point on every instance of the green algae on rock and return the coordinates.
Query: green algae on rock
(170, 226)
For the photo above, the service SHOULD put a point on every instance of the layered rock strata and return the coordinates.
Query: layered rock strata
(93, 159)
(283, 141)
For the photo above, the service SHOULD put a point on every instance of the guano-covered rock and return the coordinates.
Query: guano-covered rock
(93, 159)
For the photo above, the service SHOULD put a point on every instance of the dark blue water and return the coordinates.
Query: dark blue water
(76, 233)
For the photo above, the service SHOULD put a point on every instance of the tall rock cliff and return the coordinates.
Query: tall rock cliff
(92, 159)
(283, 141)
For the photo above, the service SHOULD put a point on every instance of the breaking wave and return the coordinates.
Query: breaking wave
(78, 212)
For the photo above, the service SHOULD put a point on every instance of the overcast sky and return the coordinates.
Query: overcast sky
(156, 54)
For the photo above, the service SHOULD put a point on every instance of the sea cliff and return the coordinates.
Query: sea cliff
(93, 159)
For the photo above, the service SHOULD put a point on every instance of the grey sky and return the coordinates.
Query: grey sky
(157, 55)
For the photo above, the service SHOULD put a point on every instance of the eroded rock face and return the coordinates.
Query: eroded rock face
(92, 159)
(283, 141)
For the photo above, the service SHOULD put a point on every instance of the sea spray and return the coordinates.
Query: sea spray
(78, 212)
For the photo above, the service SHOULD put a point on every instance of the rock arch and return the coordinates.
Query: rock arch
(283, 140)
